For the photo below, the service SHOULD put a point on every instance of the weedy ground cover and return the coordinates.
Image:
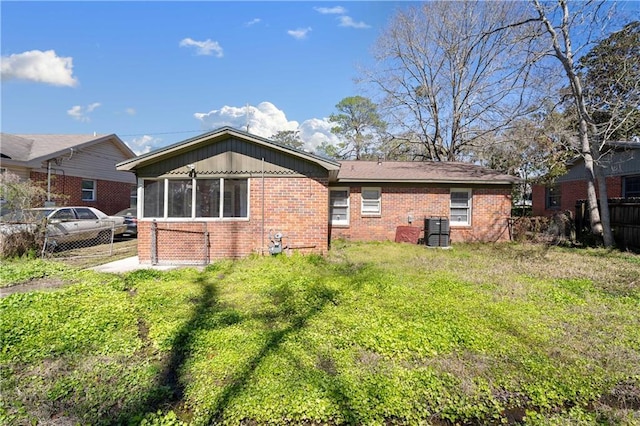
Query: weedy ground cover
(372, 334)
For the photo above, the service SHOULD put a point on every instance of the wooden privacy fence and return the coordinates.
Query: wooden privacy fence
(625, 221)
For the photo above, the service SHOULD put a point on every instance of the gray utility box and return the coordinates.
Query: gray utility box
(436, 231)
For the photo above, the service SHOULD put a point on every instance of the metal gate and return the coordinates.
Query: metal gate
(179, 243)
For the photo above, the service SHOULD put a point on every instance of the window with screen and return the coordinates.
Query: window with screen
(371, 202)
(88, 190)
(460, 207)
(339, 206)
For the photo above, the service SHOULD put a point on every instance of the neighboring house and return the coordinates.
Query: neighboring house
(80, 168)
(228, 193)
(621, 168)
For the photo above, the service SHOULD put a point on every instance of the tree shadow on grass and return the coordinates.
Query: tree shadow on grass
(289, 311)
(167, 392)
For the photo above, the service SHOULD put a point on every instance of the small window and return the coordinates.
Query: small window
(88, 190)
(460, 207)
(631, 187)
(339, 206)
(371, 202)
(552, 197)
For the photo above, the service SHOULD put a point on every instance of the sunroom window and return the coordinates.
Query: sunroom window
(213, 198)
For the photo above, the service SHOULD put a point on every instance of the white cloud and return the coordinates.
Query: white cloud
(266, 120)
(252, 22)
(144, 144)
(337, 10)
(347, 21)
(315, 131)
(130, 111)
(80, 113)
(38, 66)
(300, 33)
(206, 47)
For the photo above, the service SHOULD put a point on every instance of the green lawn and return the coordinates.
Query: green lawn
(372, 334)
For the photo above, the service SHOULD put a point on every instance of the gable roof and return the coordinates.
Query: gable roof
(34, 149)
(421, 172)
(619, 159)
(217, 135)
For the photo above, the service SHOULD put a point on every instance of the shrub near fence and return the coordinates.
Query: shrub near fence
(625, 221)
(19, 243)
(556, 229)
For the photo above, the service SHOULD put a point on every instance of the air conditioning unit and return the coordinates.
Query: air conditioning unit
(436, 232)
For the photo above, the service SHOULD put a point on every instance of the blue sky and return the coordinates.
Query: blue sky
(158, 72)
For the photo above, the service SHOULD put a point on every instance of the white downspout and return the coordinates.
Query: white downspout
(263, 242)
(48, 181)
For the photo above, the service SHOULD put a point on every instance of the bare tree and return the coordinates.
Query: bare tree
(559, 22)
(448, 77)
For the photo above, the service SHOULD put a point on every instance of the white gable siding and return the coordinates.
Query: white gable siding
(94, 162)
(21, 172)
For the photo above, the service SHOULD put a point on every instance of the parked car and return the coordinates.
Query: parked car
(131, 220)
(66, 224)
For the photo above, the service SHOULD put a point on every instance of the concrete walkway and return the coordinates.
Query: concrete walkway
(118, 266)
(129, 264)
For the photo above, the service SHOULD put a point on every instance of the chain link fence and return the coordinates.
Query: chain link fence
(77, 239)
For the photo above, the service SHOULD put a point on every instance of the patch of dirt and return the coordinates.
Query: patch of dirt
(86, 258)
(34, 285)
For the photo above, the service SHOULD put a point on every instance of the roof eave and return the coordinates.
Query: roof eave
(438, 181)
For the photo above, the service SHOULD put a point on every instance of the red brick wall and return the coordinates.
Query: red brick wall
(295, 207)
(491, 209)
(111, 197)
(570, 192)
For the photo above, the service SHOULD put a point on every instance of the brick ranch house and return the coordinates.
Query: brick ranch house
(620, 166)
(225, 193)
(78, 168)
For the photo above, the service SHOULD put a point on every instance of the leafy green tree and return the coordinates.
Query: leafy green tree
(288, 137)
(535, 149)
(611, 78)
(359, 126)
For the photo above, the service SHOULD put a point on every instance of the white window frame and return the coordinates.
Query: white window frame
(193, 216)
(94, 194)
(377, 203)
(345, 221)
(468, 207)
